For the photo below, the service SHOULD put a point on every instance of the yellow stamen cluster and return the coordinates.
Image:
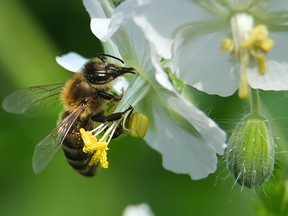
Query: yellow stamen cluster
(256, 46)
(97, 149)
(135, 125)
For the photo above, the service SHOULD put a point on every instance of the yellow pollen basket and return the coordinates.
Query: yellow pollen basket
(138, 125)
(94, 147)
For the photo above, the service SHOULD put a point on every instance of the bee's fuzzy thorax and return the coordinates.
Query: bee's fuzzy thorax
(78, 88)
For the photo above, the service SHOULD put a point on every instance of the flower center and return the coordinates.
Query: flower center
(248, 44)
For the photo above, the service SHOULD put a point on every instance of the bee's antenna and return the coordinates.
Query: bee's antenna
(101, 55)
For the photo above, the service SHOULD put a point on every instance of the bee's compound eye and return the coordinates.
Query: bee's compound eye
(99, 78)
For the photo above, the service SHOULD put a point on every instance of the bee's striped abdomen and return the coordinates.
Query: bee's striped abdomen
(72, 147)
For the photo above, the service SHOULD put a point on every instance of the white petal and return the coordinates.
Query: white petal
(111, 48)
(104, 27)
(98, 8)
(163, 79)
(71, 61)
(280, 5)
(139, 210)
(201, 63)
(275, 78)
(120, 85)
(160, 75)
(187, 140)
(134, 48)
(100, 12)
(209, 130)
(100, 28)
(279, 51)
(159, 19)
(136, 91)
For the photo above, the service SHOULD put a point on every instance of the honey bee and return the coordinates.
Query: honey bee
(84, 97)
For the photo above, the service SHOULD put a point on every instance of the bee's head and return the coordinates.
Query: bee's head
(100, 72)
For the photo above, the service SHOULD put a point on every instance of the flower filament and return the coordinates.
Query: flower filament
(248, 43)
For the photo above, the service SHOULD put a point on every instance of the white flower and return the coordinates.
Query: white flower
(185, 137)
(190, 33)
(138, 210)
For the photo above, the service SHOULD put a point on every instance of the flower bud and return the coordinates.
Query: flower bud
(250, 152)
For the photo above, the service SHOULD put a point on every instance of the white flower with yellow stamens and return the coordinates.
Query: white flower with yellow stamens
(185, 137)
(191, 34)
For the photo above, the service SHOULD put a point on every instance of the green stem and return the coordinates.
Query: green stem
(255, 108)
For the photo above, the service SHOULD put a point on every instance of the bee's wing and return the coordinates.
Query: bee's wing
(46, 149)
(34, 100)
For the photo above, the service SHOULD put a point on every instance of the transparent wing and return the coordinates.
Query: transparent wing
(34, 100)
(46, 149)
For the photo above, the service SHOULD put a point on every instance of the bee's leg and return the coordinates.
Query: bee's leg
(108, 96)
(100, 117)
(110, 118)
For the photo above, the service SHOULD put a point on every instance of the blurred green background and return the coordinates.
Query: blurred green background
(32, 33)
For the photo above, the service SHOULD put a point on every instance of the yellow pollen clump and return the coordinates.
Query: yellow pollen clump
(227, 45)
(258, 34)
(100, 155)
(258, 44)
(96, 148)
(267, 44)
(138, 125)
